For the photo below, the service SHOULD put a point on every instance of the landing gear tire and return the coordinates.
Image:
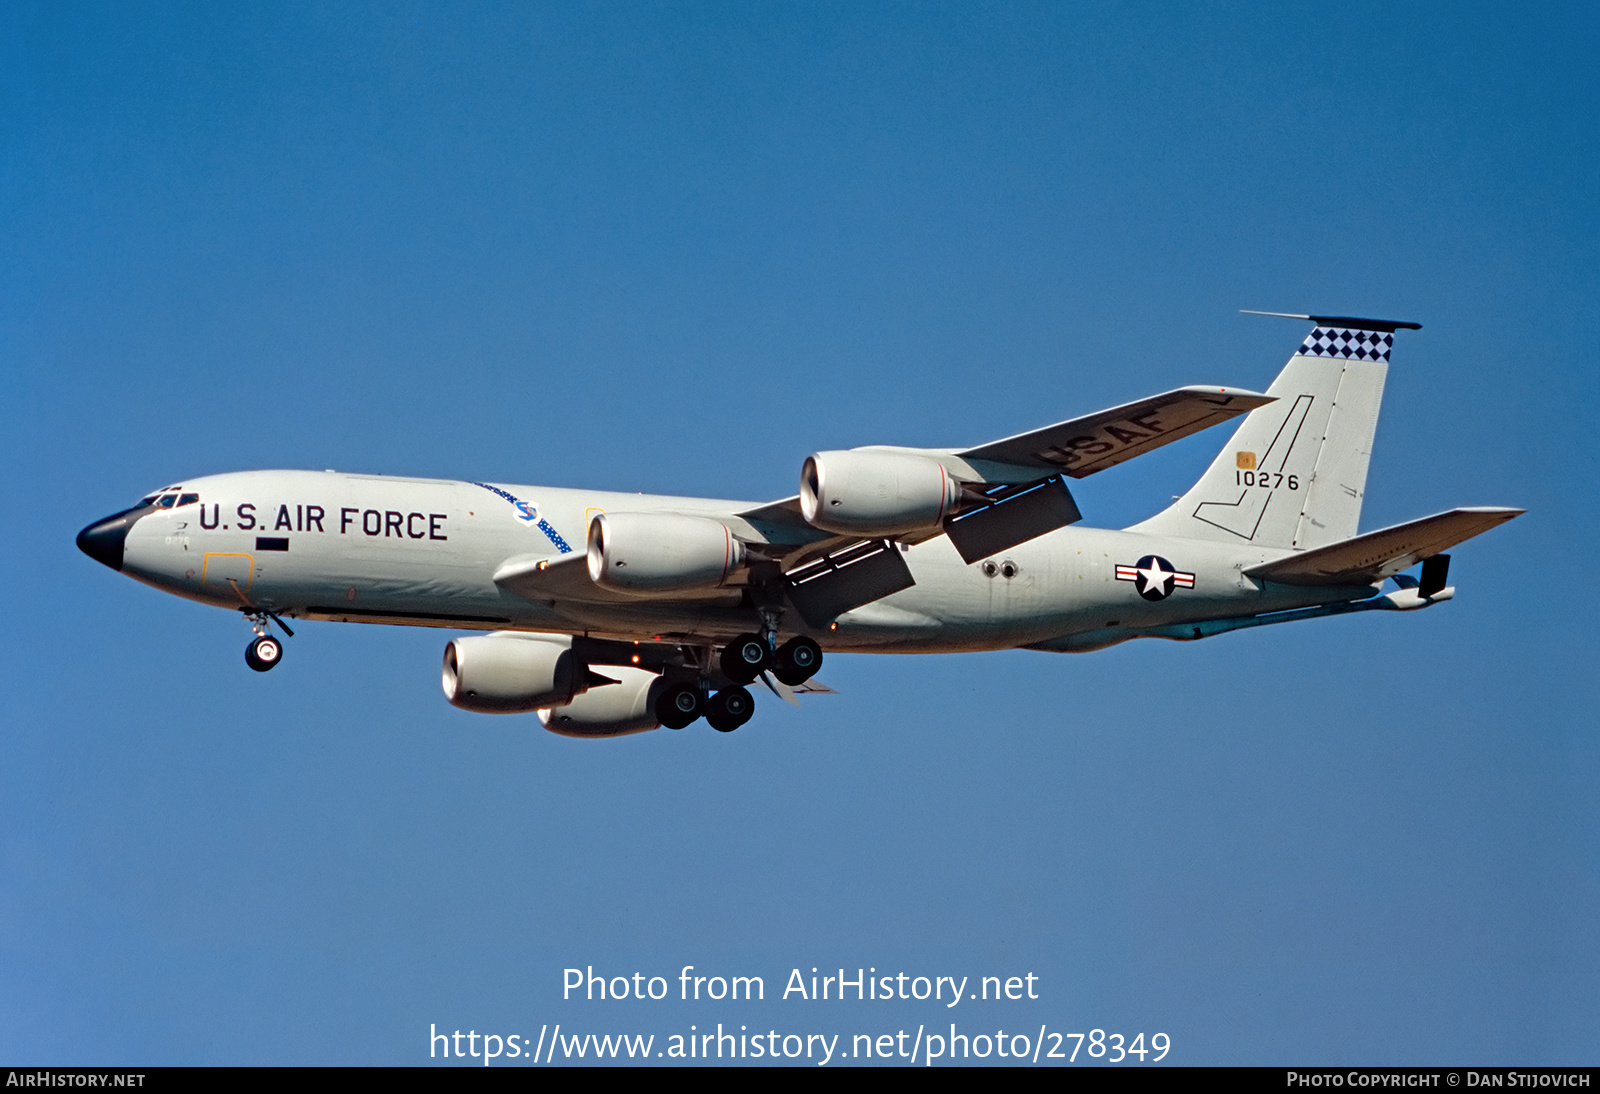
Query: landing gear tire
(729, 709)
(678, 705)
(797, 660)
(745, 658)
(263, 653)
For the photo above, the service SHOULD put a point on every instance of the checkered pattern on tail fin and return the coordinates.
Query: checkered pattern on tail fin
(1361, 345)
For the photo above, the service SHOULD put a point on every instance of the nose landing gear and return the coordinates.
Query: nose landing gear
(265, 651)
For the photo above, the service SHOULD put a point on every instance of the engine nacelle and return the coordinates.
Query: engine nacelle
(612, 710)
(511, 673)
(650, 553)
(867, 493)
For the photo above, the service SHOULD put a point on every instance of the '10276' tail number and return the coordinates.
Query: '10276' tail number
(1269, 479)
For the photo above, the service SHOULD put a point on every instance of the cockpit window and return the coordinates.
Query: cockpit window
(168, 497)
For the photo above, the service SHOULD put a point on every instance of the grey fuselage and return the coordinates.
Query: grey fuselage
(424, 552)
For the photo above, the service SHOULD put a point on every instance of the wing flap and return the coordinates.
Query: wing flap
(1095, 442)
(1016, 515)
(858, 574)
(1384, 553)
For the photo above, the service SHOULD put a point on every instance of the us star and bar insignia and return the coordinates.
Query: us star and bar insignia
(1154, 577)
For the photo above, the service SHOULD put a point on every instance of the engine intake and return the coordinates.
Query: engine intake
(650, 553)
(870, 493)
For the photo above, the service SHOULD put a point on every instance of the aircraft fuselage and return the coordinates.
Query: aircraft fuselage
(424, 552)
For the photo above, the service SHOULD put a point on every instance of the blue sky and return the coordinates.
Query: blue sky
(678, 248)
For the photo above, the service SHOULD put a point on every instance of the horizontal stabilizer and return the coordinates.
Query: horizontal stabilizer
(787, 693)
(1377, 555)
(1095, 442)
(1343, 322)
(779, 688)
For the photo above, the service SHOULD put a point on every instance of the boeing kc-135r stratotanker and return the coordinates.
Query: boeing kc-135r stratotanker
(613, 613)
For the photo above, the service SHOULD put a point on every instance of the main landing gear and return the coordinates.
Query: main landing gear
(796, 661)
(748, 656)
(745, 658)
(726, 710)
(265, 651)
(678, 705)
(729, 709)
(742, 661)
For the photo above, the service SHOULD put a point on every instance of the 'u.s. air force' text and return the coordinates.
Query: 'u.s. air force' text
(384, 523)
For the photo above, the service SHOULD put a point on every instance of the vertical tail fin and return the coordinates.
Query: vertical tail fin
(1295, 471)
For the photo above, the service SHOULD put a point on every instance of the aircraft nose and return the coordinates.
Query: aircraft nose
(103, 540)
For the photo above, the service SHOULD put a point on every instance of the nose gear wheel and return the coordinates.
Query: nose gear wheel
(263, 653)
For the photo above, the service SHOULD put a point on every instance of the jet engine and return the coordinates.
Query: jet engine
(511, 673)
(650, 553)
(611, 711)
(869, 493)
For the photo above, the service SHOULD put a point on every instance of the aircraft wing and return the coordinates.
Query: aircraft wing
(784, 527)
(1078, 447)
(553, 580)
(1384, 553)
(1014, 490)
(1095, 442)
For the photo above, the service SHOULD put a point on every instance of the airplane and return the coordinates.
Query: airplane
(613, 613)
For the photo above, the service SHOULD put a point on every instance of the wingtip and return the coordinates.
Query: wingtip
(1215, 389)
